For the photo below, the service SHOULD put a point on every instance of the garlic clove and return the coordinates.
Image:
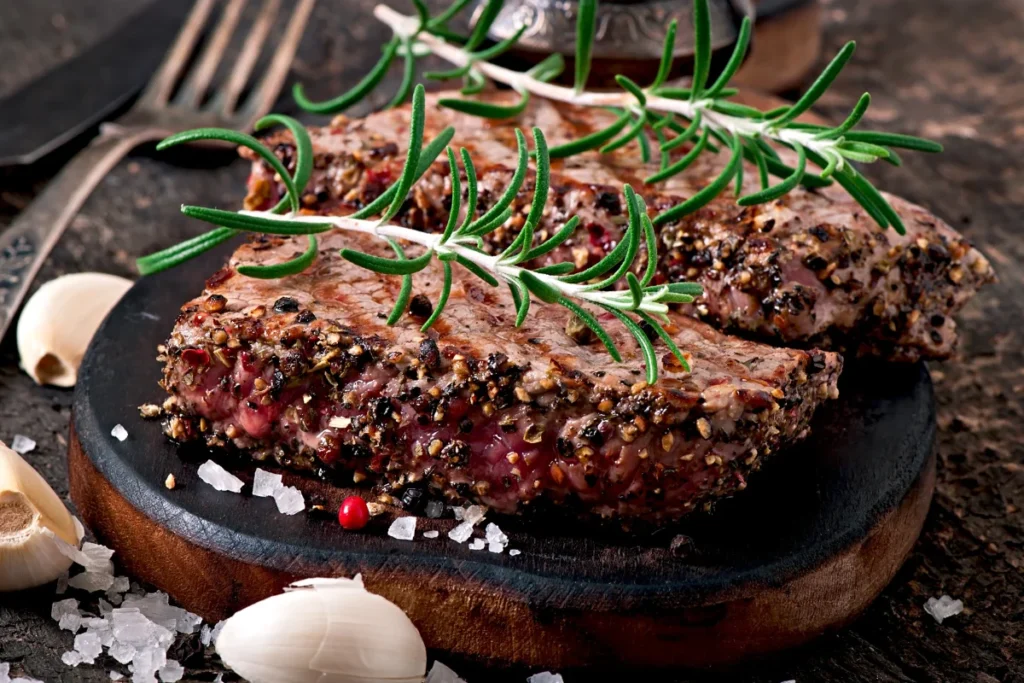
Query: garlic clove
(324, 631)
(60, 319)
(33, 521)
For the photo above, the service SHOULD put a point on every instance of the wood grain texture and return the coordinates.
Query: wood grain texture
(949, 69)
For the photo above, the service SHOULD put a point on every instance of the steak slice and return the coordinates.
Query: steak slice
(305, 371)
(811, 269)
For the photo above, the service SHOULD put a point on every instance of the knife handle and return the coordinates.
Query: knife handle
(26, 243)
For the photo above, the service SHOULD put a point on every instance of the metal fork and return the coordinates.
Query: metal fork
(26, 243)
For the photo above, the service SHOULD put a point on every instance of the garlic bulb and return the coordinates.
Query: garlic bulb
(33, 525)
(59, 321)
(324, 631)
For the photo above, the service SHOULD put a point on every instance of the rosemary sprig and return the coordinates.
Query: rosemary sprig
(702, 113)
(609, 286)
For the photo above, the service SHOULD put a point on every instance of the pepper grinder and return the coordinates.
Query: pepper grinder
(630, 33)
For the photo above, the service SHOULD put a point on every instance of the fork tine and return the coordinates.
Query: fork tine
(199, 79)
(161, 85)
(247, 59)
(266, 91)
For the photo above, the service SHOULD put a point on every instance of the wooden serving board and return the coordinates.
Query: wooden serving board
(820, 531)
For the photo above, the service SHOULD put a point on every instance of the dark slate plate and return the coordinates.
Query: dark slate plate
(820, 530)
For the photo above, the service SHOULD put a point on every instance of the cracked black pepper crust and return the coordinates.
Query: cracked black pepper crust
(477, 410)
(807, 270)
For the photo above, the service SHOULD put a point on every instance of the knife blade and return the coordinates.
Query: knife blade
(68, 99)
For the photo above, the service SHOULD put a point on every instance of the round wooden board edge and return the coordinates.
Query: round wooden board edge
(473, 619)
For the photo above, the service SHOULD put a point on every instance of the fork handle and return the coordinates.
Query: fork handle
(26, 243)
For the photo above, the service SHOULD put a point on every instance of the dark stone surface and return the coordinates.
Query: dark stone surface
(947, 69)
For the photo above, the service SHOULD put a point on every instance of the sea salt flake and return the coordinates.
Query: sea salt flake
(495, 535)
(171, 672)
(514, 552)
(91, 582)
(147, 662)
(439, 673)
(289, 500)
(216, 632)
(22, 444)
(219, 478)
(434, 509)
(70, 622)
(403, 528)
(474, 513)
(89, 645)
(72, 658)
(205, 635)
(545, 677)
(122, 652)
(116, 676)
(477, 544)
(461, 533)
(943, 608)
(495, 548)
(433, 533)
(265, 484)
(62, 607)
(5, 670)
(119, 432)
(106, 608)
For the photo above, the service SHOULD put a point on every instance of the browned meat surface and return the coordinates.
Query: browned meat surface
(808, 270)
(304, 370)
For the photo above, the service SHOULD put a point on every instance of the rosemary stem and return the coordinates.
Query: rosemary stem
(407, 26)
(460, 246)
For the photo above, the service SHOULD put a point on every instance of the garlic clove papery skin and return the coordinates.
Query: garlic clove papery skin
(60, 319)
(332, 631)
(32, 519)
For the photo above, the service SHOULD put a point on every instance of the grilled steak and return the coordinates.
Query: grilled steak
(304, 370)
(808, 270)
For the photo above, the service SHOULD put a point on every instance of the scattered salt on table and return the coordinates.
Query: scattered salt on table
(943, 608)
(70, 622)
(403, 528)
(22, 444)
(545, 677)
(89, 646)
(265, 484)
(91, 582)
(116, 675)
(72, 658)
(477, 544)
(514, 552)
(119, 432)
(433, 533)
(439, 673)
(219, 478)
(289, 500)
(62, 607)
(461, 533)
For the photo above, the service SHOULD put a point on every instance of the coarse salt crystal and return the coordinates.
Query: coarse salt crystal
(943, 608)
(265, 484)
(219, 478)
(119, 432)
(62, 586)
(477, 544)
(433, 533)
(172, 671)
(204, 635)
(545, 677)
(289, 500)
(89, 645)
(434, 509)
(70, 622)
(122, 652)
(62, 607)
(116, 675)
(216, 632)
(515, 552)
(439, 673)
(91, 582)
(495, 548)
(120, 585)
(495, 535)
(340, 422)
(474, 513)
(22, 444)
(403, 528)
(72, 658)
(461, 533)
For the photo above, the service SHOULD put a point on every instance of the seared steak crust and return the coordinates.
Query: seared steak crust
(810, 269)
(304, 370)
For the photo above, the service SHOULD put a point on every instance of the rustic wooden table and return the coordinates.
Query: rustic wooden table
(946, 69)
